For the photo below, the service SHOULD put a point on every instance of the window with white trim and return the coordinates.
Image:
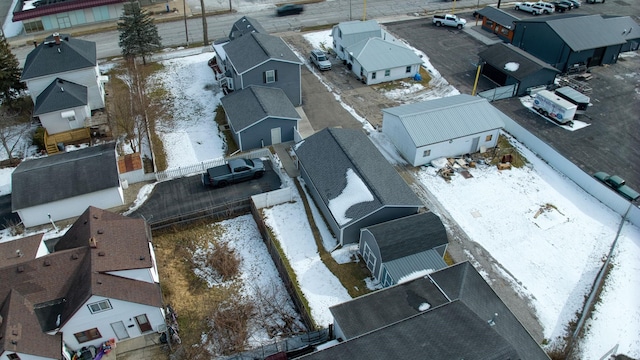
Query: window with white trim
(426, 153)
(387, 72)
(408, 69)
(269, 76)
(99, 306)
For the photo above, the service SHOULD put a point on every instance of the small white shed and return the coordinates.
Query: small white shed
(444, 127)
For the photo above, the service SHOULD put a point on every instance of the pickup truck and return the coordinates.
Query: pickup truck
(529, 7)
(235, 170)
(618, 184)
(449, 20)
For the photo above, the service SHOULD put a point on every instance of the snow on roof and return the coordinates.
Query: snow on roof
(355, 192)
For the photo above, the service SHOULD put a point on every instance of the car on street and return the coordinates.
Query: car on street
(320, 59)
(289, 9)
(561, 7)
(529, 7)
(576, 3)
(618, 184)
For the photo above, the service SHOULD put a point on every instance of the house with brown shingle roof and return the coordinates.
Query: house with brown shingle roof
(99, 283)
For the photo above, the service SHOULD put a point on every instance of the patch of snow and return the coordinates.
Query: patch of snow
(355, 192)
(424, 307)
(511, 66)
(414, 275)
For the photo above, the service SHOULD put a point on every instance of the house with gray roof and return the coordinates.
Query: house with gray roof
(349, 33)
(407, 247)
(507, 65)
(376, 60)
(260, 116)
(630, 31)
(352, 183)
(259, 59)
(245, 25)
(99, 282)
(62, 106)
(567, 41)
(498, 22)
(449, 314)
(62, 186)
(445, 127)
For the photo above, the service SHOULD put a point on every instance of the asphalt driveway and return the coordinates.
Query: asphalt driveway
(186, 197)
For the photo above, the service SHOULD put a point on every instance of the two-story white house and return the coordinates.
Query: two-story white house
(64, 82)
(99, 284)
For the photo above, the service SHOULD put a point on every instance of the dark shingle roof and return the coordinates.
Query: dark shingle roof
(499, 16)
(49, 58)
(451, 331)
(60, 95)
(498, 55)
(328, 154)
(14, 252)
(64, 176)
(253, 104)
(409, 235)
(56, 285)
(19, 329)
(244, 26)
(459, 283)
(250, 51)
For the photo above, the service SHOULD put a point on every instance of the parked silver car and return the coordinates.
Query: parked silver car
(320, 59)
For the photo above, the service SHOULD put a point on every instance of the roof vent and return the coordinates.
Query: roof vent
(74, 256)
(59, 51)
(93, 243)
(46, 263)
(19, 253)
(142, 257)
(101, 253)
(0, 319)
(13, 342)
(20, 268)
(100, 231)
(492, 321)
(95, 216)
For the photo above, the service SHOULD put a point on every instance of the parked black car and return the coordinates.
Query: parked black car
(560, 7)
(289, 9)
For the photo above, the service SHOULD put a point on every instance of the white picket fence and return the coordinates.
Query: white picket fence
(201, 167)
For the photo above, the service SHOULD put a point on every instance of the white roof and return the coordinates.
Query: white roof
(377, 54)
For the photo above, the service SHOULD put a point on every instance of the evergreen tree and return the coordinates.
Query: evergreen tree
(10, 72)
(138, 34)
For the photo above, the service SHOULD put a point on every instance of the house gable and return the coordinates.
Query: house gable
(247, 52)
(60, 95)
(54, 57)
(245, 25)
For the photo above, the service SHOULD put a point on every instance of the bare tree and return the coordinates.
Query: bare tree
(14, 125)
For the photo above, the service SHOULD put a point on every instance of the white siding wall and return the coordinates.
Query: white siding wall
(88, 77)
(72, 207)
(395, 74)
(397, 133)
(4, 356)
(457, 147)
(136, 274)
(55, 123)
(123, 311)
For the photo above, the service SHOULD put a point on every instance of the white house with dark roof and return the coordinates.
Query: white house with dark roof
(349, 33)
(445, 127)
(352, 183)
(62, 106)
(260, 116)
(400, 249)
(258, 59)
(64, 185)
(100, 283)
(375, 61)
(449, 314)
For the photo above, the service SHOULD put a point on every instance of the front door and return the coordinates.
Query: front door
(474, 144)
(120, 330)
(276, 136)
(143, 323)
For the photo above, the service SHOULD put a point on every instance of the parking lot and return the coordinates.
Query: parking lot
(611, 142)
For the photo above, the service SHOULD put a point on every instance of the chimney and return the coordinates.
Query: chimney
(56, 37)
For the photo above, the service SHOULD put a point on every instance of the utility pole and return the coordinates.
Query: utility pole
(184, 10)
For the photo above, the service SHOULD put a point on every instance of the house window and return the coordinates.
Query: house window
(373, 75)
(270, 76)
(388, 281)
(408, 69)
(387, 72)
(63, 21)
(87, 335)
(100, 306)
(426, 153)
(13, 357)
(488, 138)
(71, 118)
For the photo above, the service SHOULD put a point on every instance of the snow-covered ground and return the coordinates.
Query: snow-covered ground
(551, 257)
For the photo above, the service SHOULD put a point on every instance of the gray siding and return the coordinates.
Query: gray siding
(542, 77)
(367, 238)
(539, 40)
(351, 233)
(287, 79)
(259, 134)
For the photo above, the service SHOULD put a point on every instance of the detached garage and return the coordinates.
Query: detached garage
(445, 127)
(405, 247)
(505, 65)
